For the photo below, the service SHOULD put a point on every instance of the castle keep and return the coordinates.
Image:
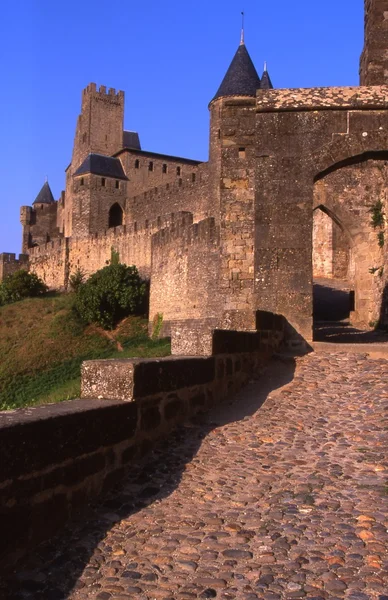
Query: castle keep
(287, 193)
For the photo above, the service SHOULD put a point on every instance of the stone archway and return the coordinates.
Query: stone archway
(116, 215)
(349, 189)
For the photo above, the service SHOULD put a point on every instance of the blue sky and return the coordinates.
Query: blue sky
(168, 56)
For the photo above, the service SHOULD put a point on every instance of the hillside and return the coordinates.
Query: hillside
(42, 346)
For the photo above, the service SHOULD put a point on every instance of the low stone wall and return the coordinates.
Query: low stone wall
(57, 458)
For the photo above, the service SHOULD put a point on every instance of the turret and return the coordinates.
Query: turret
(100, 124)
(374, 58)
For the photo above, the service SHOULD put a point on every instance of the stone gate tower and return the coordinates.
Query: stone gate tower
(374, 58)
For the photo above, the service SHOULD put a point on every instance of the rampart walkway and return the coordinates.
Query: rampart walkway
(276, 500)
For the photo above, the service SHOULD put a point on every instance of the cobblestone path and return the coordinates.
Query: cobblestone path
(279, 501)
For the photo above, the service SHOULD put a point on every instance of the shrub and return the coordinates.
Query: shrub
(109, 295)
(76, 279)
(19, 285)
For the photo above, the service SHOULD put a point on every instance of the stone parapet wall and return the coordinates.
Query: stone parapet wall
(322, 98)
(9, 264)
(57, 458)
(56, 260)
(191, 194)
(185, 271)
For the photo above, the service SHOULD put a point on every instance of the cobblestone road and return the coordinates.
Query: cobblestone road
(276, 500)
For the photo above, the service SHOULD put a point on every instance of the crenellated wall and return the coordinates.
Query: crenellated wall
(9, 264)
(55, 261)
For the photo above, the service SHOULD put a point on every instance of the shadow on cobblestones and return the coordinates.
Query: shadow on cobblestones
(52, 572)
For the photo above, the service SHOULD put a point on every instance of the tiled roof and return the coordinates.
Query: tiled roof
(98, 164)
(45, 195)
(131, 140)
(241, 78)
(266, 83)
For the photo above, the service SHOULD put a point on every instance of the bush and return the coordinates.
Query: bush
(76, 279)
(19, 285)
(109, 295)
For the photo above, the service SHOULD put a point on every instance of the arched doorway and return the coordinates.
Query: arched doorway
(116, 215)
(346, 251)
(333, 296)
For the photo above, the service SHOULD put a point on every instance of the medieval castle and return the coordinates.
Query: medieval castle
(292, 178)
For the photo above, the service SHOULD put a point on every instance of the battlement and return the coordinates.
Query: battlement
(9, 264)
(102, 91)
(187, 231)
(335, 98)
(10, 257)
(47, 248)
(198, 177)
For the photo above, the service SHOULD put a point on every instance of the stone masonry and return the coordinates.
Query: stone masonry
(223, 239)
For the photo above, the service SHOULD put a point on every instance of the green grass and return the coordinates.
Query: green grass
(43, 344)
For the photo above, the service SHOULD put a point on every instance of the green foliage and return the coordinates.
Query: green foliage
(43, 343)
(76, 279)
(109, 295)
(19, 285)
(157, 323)
(114, 256)
(381, 239)
(377, 219)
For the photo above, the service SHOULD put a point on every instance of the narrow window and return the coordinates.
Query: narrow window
(178, 171)
(103, 181)
(151, 166)
(164, 168)
(82, 181)
(193, 177)
(137, 164)
(84, 138)
(146, 224)
(241, 152)
(117, 185)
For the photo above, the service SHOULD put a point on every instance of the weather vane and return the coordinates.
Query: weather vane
(242, 27)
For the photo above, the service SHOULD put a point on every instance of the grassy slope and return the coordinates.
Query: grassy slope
(42, 346)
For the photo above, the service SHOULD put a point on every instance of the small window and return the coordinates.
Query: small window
(137, 164)
(117, 185)
(151, 166)
(82, 181)
(178, 171)
(241, 152)
(193, 177)
(103, 181)
(84, 137)
(146, 224)
(164, 168)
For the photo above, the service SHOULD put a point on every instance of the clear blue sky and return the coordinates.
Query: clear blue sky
(168, 56)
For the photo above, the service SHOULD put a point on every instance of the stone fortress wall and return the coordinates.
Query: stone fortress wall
(285, 196)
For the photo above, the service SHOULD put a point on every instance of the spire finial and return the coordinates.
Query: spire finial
(265, 66)
(242, 42)
(46, 179)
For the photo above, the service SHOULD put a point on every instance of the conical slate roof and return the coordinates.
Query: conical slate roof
(266, 83)
(241, 78)
(45, 195)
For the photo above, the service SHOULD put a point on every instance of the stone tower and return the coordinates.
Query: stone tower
(374, 58)
(232, 158)
(100, 124)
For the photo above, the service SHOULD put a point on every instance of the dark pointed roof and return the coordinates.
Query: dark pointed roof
(266, 83)
(99, 164)
(241, 78)
(45, 195)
